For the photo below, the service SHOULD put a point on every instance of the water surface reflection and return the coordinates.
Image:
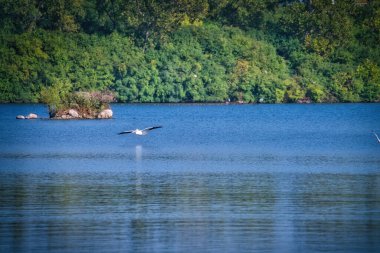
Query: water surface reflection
(213, 212)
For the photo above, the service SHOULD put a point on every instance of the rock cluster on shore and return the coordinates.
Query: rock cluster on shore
(105, 114)
(74, 114)
(29, 116)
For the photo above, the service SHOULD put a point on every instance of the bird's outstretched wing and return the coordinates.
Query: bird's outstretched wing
(377, 137)
(151, 128)
(126, 132)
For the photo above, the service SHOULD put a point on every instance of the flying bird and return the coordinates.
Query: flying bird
(140, 132)
(377, 137)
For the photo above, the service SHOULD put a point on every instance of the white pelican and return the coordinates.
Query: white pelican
(140, 132)
(377, 137)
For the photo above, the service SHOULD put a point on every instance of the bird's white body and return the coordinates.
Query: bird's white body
(139, 132)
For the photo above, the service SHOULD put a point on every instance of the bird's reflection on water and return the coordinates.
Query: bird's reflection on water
(138, 150)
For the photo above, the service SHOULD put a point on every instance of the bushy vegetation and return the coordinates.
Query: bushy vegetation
(268, 51)
(61, 100)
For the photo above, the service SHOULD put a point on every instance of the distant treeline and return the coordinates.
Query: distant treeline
(268, 51)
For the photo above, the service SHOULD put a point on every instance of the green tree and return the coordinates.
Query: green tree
(369, 81)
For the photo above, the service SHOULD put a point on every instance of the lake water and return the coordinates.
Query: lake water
(215, 178)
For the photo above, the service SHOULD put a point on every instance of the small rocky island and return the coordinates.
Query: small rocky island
(80, 105)
(84, 105)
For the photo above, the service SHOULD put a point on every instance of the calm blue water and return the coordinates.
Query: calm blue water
(215, 178)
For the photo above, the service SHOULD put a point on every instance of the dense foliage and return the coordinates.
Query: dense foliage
(268, 51)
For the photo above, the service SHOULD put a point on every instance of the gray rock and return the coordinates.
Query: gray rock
(73, 113)
(20, 117)
(32, 116)
(105, 114)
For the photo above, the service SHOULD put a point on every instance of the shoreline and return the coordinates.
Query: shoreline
(203, 103)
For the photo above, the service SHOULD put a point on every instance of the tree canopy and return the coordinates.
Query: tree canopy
(267, 51)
